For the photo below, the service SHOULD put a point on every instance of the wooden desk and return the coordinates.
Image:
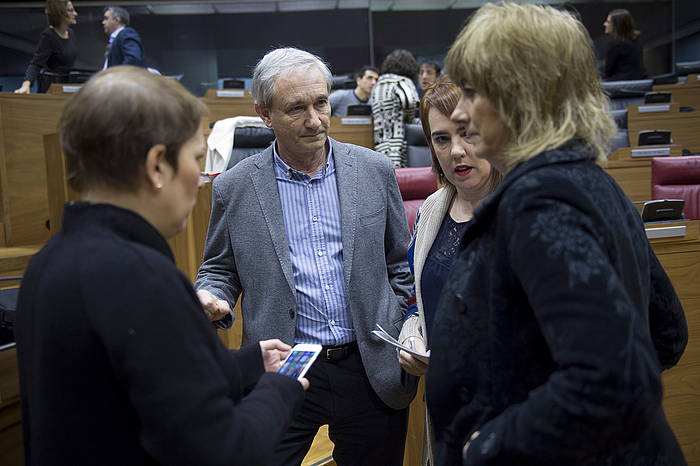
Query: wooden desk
(24, 120)
(227, 103)
(680, 258)
(684, 126)
(358, 130)
(632, 173)
(686, 94)
(63, 89)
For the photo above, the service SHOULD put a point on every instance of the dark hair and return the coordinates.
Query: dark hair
(623, 25)
(56, 11)
(434, 65)
(119, 13)
(109, 126)
(443, 95)
(401, 62)
(364, 69)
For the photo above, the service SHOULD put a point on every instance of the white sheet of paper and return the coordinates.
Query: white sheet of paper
(381, 333)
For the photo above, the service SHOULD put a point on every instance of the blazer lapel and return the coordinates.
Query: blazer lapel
(346, 171)
(265, 186)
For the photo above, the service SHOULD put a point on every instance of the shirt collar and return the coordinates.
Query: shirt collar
(284, 170)
(116, 32)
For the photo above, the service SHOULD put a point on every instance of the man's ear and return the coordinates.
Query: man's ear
(157, 166)
(264, 113)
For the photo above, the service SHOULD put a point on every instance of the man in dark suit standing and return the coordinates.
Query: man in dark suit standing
(124, 46)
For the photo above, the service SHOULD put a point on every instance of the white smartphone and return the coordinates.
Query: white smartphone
(299, 360)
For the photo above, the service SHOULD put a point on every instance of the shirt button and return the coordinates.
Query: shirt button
(332, 322)
(328, 287)
(320, 253)
(314, 218)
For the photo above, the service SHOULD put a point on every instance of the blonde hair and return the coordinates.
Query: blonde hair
(536, 66)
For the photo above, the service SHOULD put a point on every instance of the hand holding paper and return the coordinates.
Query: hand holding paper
(420, 355)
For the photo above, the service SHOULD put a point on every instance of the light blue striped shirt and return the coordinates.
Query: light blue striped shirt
(311, 210)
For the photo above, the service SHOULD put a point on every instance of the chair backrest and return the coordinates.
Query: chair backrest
(626, 93)
(415, 184)
(620, 117)
(677, 178)
(417, 150)
(249, 141)
(619, 140)
(342, 82)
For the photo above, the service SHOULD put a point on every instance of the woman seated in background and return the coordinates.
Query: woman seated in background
(57, 47)
(394, 103)
(557, 318)
(119, 364)
(624, 58)
(442, 218)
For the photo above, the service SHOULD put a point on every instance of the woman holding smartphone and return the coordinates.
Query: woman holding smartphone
(118, 363)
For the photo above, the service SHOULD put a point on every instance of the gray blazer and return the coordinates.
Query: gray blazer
(247, 252)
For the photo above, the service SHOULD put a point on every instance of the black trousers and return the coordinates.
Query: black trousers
(365, 431)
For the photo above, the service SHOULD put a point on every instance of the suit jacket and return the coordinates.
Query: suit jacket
(247, 252)
(126, 49)
(554, 325)
(119, 365)
(624, 60)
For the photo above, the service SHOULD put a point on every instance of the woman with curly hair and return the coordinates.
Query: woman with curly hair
(394, 103)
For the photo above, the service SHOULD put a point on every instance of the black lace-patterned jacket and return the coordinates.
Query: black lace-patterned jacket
(554, 326)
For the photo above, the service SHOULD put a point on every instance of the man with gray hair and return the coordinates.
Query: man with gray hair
(124, 46)
(312, 232)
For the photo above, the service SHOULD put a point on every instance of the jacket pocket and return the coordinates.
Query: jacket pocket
(374, 217)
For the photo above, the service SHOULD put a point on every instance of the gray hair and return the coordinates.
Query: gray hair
(119, 12)
(280, 62)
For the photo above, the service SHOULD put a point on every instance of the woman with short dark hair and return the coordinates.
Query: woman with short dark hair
(394, 103)
(624, 59)
(119, 365)
(557, 318)
(57, 48)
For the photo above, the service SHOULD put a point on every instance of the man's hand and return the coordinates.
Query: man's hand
(273, 353)
(412, 365)
(215, 308)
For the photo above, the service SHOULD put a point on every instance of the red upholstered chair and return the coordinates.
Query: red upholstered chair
(677, 178)
(415, 184)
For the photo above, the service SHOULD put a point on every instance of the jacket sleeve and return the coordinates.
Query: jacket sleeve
(184, 385)
(218, 273)
(669, 329)
(40, 57)
(605, 365)
(396, 239)
(132, 49)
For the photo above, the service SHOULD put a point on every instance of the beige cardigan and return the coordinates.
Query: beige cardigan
(431, 214)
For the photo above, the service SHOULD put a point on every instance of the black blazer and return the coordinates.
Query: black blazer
(126, 49)
(554, 325)
(120, 366)
(624, 61)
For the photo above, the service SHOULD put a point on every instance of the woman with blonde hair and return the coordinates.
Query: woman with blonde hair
(441, 220)
(557, 318)
(57, 47)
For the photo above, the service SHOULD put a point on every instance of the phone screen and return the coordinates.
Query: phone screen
(296, 362)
